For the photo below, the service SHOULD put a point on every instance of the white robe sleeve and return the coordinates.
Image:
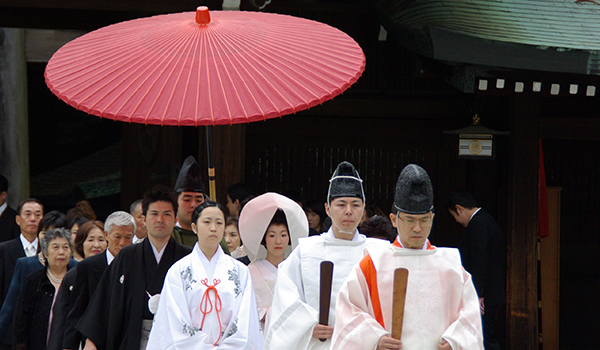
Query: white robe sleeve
(243, 331)
(466, 332)
(292, 319)
(355, 327)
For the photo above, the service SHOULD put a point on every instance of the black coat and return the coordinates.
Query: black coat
(62, 306)
(32, 312)
(88, 275)
(8, 225)
(483, 253)
(114, 316)
(9, 253)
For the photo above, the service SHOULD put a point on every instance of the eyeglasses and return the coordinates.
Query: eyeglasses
(412, 222)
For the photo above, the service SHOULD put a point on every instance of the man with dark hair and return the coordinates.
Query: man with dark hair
(135, 209)
(190, 194)
(121, 311)
(8, 226)
(294, 323)
(29, 213)
(440, 309)
(236, 194)
(483, 253)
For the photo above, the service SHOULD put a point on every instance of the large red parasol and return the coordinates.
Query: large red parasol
(188, 69)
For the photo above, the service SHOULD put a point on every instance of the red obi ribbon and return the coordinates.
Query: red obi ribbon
(206, 305)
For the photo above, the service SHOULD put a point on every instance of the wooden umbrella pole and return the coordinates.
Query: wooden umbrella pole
(211, 163)
(400, 282)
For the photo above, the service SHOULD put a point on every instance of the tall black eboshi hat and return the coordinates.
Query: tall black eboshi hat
(414, 193)
(345, 182)
(189, 179)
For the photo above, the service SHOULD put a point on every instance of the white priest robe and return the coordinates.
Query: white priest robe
(206, 305)
(264, 275)
(295, 308)
(441, 301)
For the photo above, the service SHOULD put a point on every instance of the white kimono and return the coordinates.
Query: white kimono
(194, 289)
(295, 308)
(441, 301)
(264, 275)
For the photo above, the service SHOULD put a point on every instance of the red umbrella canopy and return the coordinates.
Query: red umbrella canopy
(189, 69)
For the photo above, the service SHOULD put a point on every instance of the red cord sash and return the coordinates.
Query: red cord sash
(206, 305)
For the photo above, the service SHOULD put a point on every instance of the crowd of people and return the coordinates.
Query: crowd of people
(179, 271)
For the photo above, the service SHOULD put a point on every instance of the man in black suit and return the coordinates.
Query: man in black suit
(119, 230)
(29, 215)
(483, 253)
(8, 226)
(119, 316)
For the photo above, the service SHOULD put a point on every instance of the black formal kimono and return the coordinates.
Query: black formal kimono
(89, 273)
(114, 316)
(8, 225)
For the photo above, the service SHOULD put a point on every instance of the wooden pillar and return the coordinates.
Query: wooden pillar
(151, 155)
(230, 150)
(14, 131)
(522, 297)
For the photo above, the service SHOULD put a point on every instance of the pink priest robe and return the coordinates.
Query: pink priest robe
(441, 301)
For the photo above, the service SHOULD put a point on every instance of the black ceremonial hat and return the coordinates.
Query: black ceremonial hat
(414, 193)
(345, 182)
(189, 179)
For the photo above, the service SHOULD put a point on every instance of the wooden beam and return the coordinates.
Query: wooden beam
(522, 296)
(571, 128)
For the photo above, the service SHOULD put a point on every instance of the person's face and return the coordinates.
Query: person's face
(413, 230)
(29, 218)
(119, 237)
(59, 253)
(140, 225)
(460, 215)
(95, 243)
(160, 219)
(74, 230)
(314, 220)
(277, 239)
(232, 207)
(232, 237)
(345, 213)
(210, 228)
(187, 202)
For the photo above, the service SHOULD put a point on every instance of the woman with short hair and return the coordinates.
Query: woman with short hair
(33, 311)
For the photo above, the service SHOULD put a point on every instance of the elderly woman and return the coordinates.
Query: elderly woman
(90, 240)
(27, 265)
(33, 312)
(207, 300)
(270, 226)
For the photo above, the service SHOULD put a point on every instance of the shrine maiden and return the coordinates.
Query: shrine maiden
(207, 301)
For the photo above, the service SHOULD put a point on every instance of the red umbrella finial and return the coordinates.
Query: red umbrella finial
(202, 15)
